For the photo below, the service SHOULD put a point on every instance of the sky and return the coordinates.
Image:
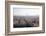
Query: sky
(26, 12)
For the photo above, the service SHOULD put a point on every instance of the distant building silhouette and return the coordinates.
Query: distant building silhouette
(25, 22)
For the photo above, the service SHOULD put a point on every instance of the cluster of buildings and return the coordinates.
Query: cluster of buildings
(26, 21)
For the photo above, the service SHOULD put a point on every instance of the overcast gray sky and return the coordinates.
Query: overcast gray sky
(25, 12)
